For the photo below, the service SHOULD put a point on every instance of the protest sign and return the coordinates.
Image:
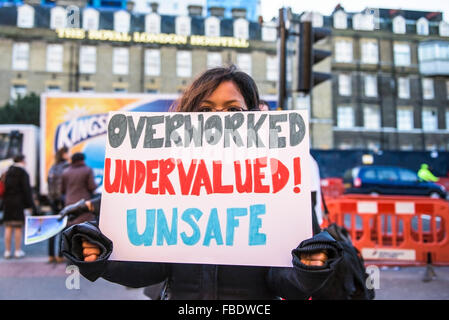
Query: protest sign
(217, 188)
(41, 228)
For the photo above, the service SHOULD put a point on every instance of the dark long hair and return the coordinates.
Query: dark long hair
(208, 81)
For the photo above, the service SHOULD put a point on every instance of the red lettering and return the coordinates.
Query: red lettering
(217, 174)
(115, 186)
(185, 180)
(140, 176)
(151, 176)
(165, 168)
(260, 163)
(248, 185)
(127, 177)
(201, 179)
(279, 174)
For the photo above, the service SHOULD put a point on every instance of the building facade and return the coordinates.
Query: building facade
(390, 84)
(86, 49)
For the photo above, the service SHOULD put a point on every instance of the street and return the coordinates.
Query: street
(32, 278)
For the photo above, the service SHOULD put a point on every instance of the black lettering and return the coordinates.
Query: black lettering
(296, 135)
(134, 134)
(117, 130)
(275, 140)
(232, 123)
(150, 141)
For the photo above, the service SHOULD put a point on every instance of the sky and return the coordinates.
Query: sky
(270, 8)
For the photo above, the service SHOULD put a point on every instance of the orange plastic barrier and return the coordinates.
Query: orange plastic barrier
(332, 187)
(395, 230)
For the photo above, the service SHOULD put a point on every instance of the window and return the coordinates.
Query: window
(404, 118)
(25, 16)
(387, 174)
(20, 55)
(399, 25)
(422, 27)
(344, 84)
(182, 25)
(88, 59)
(345, 117)
(343, 51)
(244, 62)
(18, 91)
(120, 61)
(427, 89)
(370, 52)
(407, 175)
(53, 89)
(362, 21)
(369, 174)
(272, 68)
(317, 20)
(121, 21)
(371, 117)
(214, 59)
(402, 54)
(153, 23)
(120, 90)
(429, 119)
(58, 18)
(404, 88)
(54, 57)
(184, 64)
(370, 85)
(152, 62)
(447, 118)
(241, 28)
(87, 89)
(447, 89)
(340, 20)
(91, 19)
(212, 27)
(269, 32)
(444, 29)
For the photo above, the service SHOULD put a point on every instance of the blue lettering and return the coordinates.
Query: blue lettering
(256, 238)
(187, 217)
(232, 223)
(163, 231)
(213, 230)
(146, 238)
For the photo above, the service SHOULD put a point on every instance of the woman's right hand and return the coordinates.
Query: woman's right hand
(90, 251)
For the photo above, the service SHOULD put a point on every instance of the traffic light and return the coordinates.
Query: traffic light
(308, 56)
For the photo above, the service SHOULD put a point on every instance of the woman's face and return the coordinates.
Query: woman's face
(226, 97)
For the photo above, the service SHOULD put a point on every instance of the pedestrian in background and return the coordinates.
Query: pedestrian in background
(425, 174)
(17, 197)
(78, 183)
(56, 197)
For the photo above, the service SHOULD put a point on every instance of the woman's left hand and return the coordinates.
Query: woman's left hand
(314, 258)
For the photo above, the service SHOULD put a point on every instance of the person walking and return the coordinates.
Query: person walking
(56, 197)
(77, 184)
(17, 197)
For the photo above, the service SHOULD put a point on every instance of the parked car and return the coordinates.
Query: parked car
(389, 180)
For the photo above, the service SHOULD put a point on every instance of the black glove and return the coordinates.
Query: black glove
(71, 248)
(74, 209)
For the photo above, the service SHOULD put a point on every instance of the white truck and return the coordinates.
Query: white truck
(20, 139)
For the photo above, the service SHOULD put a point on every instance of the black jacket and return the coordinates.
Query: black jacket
(18, 195)
(197, 281)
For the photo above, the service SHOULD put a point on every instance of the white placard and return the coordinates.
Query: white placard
(214, 188)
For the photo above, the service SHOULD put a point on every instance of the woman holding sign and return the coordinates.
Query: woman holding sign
(319, 265)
